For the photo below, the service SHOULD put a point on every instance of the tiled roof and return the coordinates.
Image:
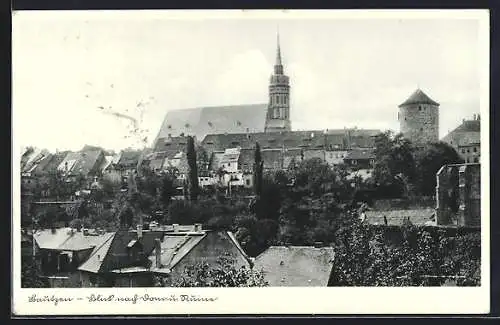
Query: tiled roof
(82, 162)
(272, 158)
(356, 154)
(94, 262)
(32, 160)
(218, 119)
(113, 254)
(397, 217)
(313, 139)
(129, 158)
(419, 97)
(296, 266)
(52, 164)
(171, 145)
(174, 248)
(67, 239)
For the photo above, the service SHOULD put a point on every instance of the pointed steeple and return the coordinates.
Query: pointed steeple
(278, 66)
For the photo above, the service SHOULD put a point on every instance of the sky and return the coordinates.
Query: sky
(78, 75)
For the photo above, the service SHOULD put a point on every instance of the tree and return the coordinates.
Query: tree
(202, 160)
(193, 170)
(30, 275)
(167, 190)
(394, 171)
(258, 169)
(223, 274)
(430, 160)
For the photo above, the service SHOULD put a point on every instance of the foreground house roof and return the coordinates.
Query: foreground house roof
(296, 266)
(67, 239)
(174, 247)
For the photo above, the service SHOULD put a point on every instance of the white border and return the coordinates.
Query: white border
(277, 300)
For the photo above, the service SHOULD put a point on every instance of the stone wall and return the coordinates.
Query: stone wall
(458, 195)
(419, 123)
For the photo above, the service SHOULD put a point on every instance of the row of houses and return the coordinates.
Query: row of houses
(86, 164)
(138, 258)
(235, 165)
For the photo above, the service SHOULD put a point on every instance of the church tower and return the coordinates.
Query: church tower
(278, 109)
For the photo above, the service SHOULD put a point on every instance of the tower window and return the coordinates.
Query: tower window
(420, 108)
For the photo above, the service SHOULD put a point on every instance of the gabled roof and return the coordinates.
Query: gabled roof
(215, 119)
(129, 158)
(52, 164)
(67, 239)
(419, 97)
(94, 263)
(397, 217)
(296, 266)
(82, 162)
(170, 145)
(356, 154)
(175, 247)
(113, 253)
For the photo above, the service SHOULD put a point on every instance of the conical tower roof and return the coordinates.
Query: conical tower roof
(419, 97)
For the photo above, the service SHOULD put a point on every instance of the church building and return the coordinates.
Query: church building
(269, 124)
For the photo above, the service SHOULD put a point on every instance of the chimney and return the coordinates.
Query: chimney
(158, 252)
(85, 232)
(474, 117)
(53, 230)
(139, 231)
(176, 227)
(197, 227)
(478, 118)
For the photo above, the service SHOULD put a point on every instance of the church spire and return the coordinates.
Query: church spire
(278, 66)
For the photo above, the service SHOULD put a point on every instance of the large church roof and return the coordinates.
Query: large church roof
(419, 97)
(201, 121)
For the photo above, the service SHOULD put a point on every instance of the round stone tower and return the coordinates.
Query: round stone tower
(419, 119)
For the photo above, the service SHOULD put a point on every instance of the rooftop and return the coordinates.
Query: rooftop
(296, 266)
(419, 97)
(397, 217)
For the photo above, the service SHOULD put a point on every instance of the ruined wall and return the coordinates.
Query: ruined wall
(419, 123)
(458, 195)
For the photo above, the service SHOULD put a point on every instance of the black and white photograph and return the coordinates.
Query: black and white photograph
(274, 150)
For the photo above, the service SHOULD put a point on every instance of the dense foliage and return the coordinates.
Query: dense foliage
(224, 274)
(193, 169)
(308, 203)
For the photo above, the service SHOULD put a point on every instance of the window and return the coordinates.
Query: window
(463, 150)
(228, 164)
(475, 149)
(421, 129)
(419, 108)
(468, 150)
(248, 182)
(476, 160)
